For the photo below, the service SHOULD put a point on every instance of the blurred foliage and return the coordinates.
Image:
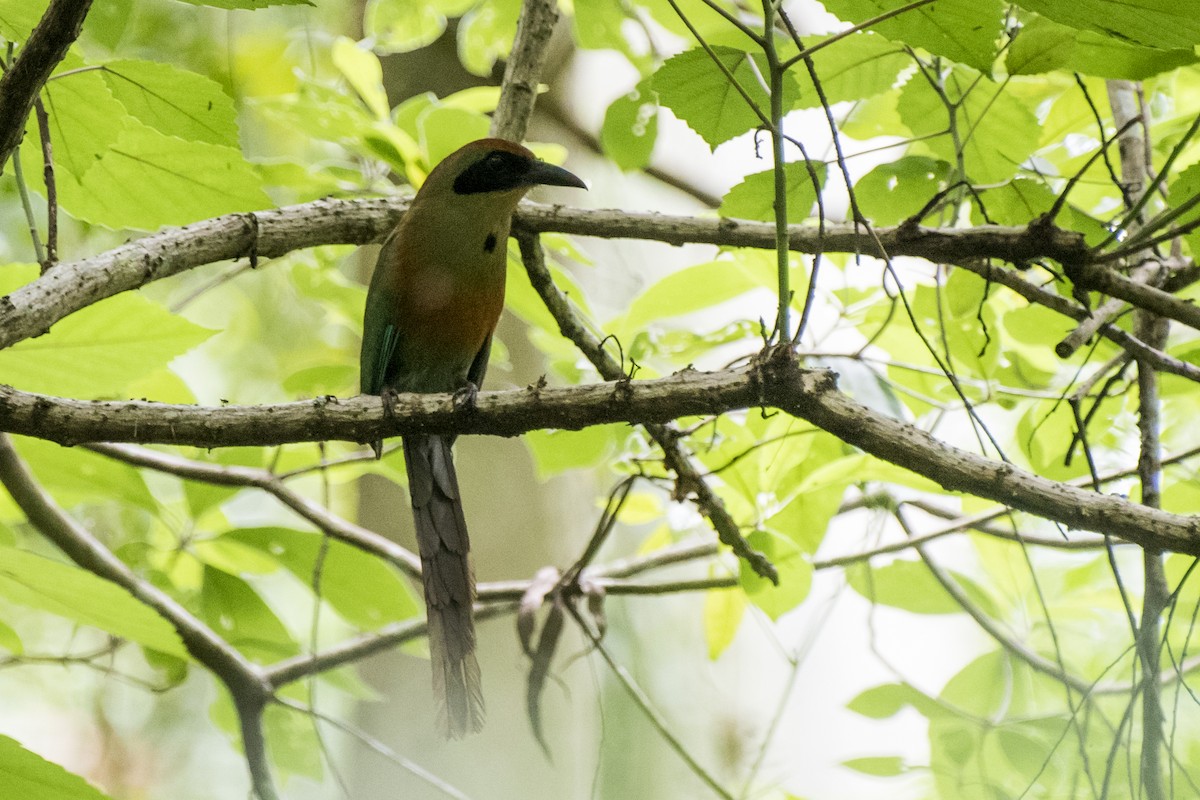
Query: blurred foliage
(166, 113)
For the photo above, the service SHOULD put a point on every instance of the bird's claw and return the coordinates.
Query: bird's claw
(464, 398)
(388, 396)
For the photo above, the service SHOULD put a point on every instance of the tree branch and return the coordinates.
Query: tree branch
(25, 77)
(777, 381)
(519, 88)
(34, 308)
(243, 679)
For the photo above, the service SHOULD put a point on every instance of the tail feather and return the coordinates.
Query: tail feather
(449, 582)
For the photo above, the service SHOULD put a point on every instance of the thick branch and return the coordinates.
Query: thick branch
(778, 382)
(85, 550)
(519, 89)
(25, 77)
(33, 309)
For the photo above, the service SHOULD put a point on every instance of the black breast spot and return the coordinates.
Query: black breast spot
(489, 244)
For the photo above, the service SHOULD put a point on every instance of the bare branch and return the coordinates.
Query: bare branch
(33, 309)
(776, 381)
(519, 89)
(25, 77)
(231, 475)
(243, 679)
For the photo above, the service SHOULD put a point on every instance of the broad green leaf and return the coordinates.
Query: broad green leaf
(1044, 45)
(147, 180)
(961, 30)
(443, 130)
(78, 595)
(249, 4)
(795, 575)
(893, 192)
(28, 776)
(631, 127)
(240, 616)
(879, 766)
(361, 69)
(486, 33)
(754, 197)
(237, 558)
(10, 640)
(295, 748)
(1185, 187)
(554, 451)
(364, 590)
(76, 476)
(981, 687)
(996, 131)
(99, 351)
(174, 101)
(690, 289)
(398, 26)
(902, 584)
(19, 17)
(600, 25)
(859, 66)
(698, 92)
(889, 699)
(85, 121)
(1163, 24)
(723, 612)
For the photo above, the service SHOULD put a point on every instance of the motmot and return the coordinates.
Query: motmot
(432, 307)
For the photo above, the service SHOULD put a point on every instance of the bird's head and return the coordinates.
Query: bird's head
(495, 167)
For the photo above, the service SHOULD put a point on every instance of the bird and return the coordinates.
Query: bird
(432, 306)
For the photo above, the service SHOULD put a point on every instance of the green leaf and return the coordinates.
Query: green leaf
(889, 699)
(76, 476)
(78, 595)
(174, 101)
(249, 4)
(10, 640)
(690, 289)
(30, 777)
(754, 197)
(364, 590)
(398, 26)
(795, 575)
(101, 350)
(692, 86)
(1044, 45)
(443, 130)
(147, 180)
(1162, 24)
(242, 618)
(859, 66)
(893, 192)
(879, 766)
(902, 584)
(361, 69)
(961, 30)
(982, 687)
(631, 127)
(996, 130)
(18, 18)
(85, 121)
(723, 612)
(554, 451)
(295, 748)
(486, 33)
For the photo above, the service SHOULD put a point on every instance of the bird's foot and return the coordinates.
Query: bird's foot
(388, 396)
(464, 398)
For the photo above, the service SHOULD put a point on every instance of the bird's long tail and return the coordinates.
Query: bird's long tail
(449, 582)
